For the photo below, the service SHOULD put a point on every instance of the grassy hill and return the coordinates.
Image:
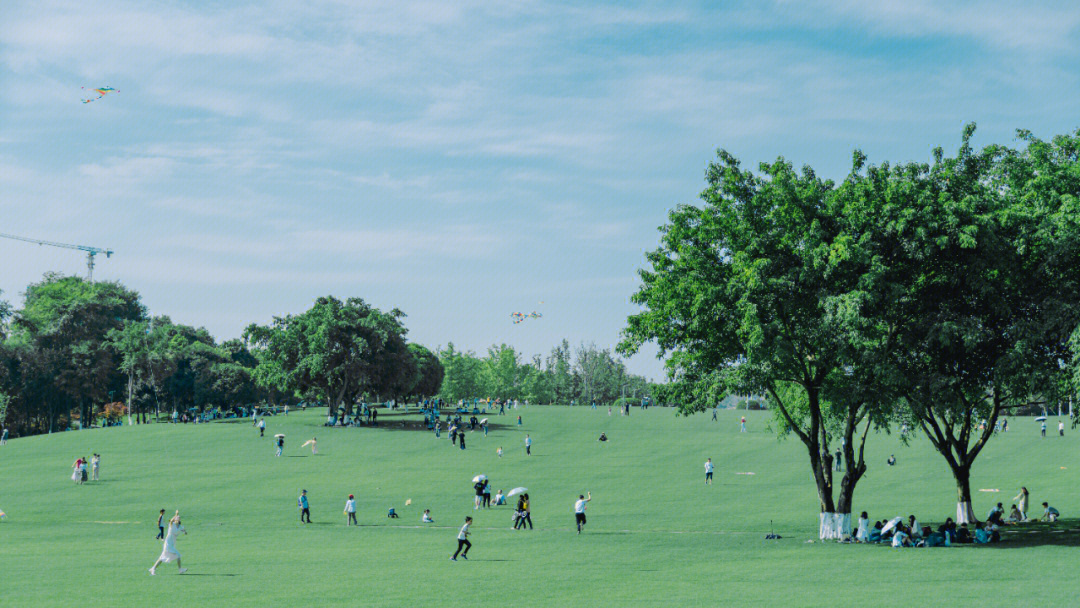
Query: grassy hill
(656, 534)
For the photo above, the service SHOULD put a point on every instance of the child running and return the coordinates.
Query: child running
(463, 541)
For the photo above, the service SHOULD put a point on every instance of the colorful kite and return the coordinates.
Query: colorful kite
(518, 317)
(101, 93)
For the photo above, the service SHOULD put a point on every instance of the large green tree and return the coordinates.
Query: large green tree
(335, 351)
(988, 250)
(766, 288)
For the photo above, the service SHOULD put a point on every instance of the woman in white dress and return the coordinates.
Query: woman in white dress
(169, 552)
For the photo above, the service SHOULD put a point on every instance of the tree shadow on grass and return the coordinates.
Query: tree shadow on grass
(415, 422)
(208, 574)
(1063, 532)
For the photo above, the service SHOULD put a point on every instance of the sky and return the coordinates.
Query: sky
(465, 160)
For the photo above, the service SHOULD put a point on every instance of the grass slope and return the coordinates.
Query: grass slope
(656, 534)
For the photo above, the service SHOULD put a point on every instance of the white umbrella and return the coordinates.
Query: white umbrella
(484, 421)
(279, 435)
(890, 524)
(1040, 418)
(479, 478)
(517, 491)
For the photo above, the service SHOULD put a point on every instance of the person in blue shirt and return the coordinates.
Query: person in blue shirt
(302, 502)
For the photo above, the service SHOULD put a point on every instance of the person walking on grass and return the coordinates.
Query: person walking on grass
(280, 444)
(1044, 429)
(95, 463)
(714, 409)
(742, 424)
(486, 503)
(262, 426)
(463, 541)
(1061, 428)
(302, 502)
(479, 488)
(499, 452)
(528, 445)
(3, 437)
(708, 471)
(350, 511)
(160, 525)
(579, 510)
(525, 510)
(169, 552)
(461, 439)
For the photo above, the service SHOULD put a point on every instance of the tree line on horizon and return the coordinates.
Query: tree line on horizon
(937, 296)
(80, 353)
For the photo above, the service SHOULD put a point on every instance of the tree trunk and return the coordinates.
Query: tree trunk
(964, 512)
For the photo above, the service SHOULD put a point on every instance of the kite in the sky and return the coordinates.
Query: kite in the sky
(518, 317)
(101, 93)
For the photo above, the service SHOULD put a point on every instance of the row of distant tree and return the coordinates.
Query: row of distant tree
(581, 376)
(82, 353)
(90, 353)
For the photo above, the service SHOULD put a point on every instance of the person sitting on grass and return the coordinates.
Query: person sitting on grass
(392, 514)
(996, 514)
(1050, 513)
(987, 534)
(900, 537)
(500, 498)
(1014, 516)
(963, 535)
(948, 529)
(875, 532)
(603, 437)
(427, 517)
(931, 538)
(916, 529)
(891, 460)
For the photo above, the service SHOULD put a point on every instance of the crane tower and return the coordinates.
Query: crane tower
(90, 251)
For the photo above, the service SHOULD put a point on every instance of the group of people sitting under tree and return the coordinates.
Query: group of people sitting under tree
(911, 534)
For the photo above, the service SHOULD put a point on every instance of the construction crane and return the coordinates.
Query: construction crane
(90, 251)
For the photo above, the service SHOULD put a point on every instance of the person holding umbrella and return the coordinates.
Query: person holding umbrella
(484, 424)
(478, 486)
(579, 510)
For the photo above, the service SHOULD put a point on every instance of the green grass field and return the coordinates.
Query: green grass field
(656, 534)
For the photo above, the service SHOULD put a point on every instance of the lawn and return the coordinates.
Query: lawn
(656, 534)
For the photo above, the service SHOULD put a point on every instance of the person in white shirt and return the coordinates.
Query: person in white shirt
(1061, 428)
(350, 511)
(579, 510)
(169, 552)
(463, 541)
(708, 471)
(916, 529)
(96, 462)
(900, 538)
(528, 445)
(262, 426)
(862, 533)
(427, 517)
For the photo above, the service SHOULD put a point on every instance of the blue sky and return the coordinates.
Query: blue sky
(463, 161)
